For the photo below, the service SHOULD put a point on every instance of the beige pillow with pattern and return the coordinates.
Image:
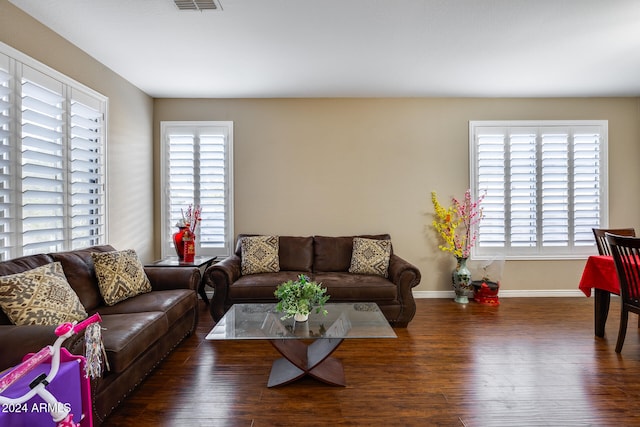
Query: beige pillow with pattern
(370, 256)
(260, 254)
(120, 275)
(41, 296)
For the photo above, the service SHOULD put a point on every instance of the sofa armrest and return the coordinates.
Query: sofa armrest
(164, 278)
(18, 341)
(405, 276)
(220, 276)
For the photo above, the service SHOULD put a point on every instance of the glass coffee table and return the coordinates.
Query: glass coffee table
(306, 346)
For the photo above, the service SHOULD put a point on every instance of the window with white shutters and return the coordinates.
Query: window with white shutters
(197, 170)
(52, 165)
(545, 186)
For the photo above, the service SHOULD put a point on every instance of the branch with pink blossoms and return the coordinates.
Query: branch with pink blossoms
(470, 212)
(457, 224)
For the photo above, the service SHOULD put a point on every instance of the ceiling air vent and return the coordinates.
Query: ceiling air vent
(198, 5)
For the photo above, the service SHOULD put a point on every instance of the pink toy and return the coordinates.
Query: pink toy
(47, 385)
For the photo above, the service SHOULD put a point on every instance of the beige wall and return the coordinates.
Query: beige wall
(129, 139)
(347, 166)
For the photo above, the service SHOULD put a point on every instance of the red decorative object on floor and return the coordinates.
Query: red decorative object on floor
(486, 292)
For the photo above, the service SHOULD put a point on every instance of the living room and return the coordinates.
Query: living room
(418, 142)
(319, 152)
(313, 165)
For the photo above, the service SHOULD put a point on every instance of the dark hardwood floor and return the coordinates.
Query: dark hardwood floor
(528, 362)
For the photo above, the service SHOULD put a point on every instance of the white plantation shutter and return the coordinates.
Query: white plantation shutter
(555, 188)
(198, 170)
(42, 164)
(87, 169)
(6, 167)
(522, 191)
(545, 187)
(491, 163)
(51, 160)
(212, 197)
(589, 183)
(181, 175)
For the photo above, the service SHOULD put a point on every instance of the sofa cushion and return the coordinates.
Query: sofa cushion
(334, 253)
(130, 335)
(260, 254)
(120, 275)
(78, 267)
(259, 287)
(41, 296)
(25, 263)
(18, 265)
(175, 303)
(343, 287)
(370, 256)
(296, 253)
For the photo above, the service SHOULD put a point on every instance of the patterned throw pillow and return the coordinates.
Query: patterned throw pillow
(260, 254)
(120, 275)
(41, 296)
(370, 256)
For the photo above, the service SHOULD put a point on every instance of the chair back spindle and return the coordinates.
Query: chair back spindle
(601, 240)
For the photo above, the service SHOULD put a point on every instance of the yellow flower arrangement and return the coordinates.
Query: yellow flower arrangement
(455, 224)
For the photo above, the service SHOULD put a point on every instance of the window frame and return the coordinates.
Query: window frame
(21, 69)
(168, 228)
(538, 252)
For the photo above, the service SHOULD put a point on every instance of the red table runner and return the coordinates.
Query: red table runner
(599, 272)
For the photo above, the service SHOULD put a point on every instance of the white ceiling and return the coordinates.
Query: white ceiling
(359, 48)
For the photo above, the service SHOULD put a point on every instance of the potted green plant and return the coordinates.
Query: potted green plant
(298, 298)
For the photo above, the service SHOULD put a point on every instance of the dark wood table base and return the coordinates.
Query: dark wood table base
(301, 359)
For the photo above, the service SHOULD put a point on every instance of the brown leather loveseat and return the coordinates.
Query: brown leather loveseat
(138, 332)
(323, 259)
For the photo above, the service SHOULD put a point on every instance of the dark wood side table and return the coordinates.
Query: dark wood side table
(202, 262)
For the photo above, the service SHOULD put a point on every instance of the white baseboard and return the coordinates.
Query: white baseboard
(508, 293)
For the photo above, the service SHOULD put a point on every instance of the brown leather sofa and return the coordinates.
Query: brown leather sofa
(323, 259)
(137, 333)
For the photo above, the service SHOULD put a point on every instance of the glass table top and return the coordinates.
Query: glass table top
(343, 320)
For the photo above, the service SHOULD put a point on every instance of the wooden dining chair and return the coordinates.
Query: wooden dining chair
(626, 256)
(601, 241)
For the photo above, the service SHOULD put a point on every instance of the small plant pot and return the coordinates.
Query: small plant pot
(299, 317)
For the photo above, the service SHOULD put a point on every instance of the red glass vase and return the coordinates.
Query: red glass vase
(178, 242)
